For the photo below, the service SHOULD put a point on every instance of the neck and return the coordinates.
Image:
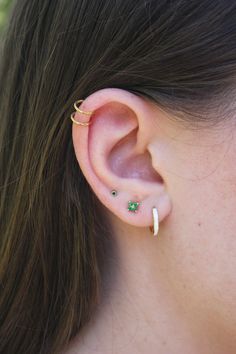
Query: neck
(146, 308)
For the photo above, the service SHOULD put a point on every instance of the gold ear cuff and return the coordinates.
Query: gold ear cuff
(82, 112)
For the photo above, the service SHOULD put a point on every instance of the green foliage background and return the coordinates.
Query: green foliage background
(4, 9)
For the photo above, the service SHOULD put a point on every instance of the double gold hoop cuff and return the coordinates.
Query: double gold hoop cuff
(72, 117)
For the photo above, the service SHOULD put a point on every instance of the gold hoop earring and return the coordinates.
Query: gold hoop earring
(80, 110)
(155, 228)
(72, 117)
(77, 122)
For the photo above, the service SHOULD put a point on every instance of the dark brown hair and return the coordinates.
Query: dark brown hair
(53, 233)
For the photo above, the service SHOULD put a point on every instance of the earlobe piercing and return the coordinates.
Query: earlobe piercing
(154, 229)
(133, 206)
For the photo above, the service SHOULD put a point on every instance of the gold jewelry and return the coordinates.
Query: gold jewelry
(77, 122)
(82, 112)
(154, 229)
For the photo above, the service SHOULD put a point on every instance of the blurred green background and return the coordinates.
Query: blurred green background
(4, 9)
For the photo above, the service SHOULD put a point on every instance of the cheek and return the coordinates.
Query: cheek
(199, 238)
(202, 237)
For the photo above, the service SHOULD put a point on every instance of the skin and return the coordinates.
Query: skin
(175, 293)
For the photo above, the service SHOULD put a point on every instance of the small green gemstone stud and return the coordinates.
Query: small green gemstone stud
(133, 206)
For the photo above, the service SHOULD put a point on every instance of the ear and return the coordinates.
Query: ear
(116, 152)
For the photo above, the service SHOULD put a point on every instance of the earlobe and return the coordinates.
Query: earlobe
(112, 152)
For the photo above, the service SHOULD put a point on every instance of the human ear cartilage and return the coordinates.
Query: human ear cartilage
(132, 205)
